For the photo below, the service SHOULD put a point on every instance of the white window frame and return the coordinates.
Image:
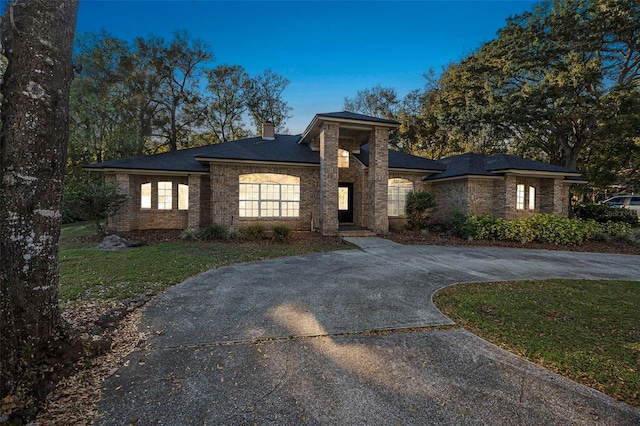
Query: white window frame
(397, 196)
(165, 195)
(145, 196)
(520, 196)
(269, 199)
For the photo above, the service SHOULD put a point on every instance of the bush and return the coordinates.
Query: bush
(487, 227)
(459, 225)
(190, 234)
(602, 213)
(280, 232)
(215, 231)
(418, 208)
(94, 202)
(253, 232)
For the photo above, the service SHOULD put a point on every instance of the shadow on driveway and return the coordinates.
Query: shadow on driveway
(339, 339)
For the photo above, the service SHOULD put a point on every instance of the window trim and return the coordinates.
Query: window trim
(165, 195)
(143, 197)
(401, 200)
(286, 204)
(183, 191)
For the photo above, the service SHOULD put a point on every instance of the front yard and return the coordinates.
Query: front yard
(588, 331)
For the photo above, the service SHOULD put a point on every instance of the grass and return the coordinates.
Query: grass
(90, 274)
(588, 331)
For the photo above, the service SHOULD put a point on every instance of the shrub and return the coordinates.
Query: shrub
(252, 232)
(487, 227)
(460, 225)
(280, 232)
(94, 202)
(214, 231)
(418, 208)
(602, 213)
(190, 234)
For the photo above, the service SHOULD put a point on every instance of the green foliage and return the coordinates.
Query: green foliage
(602, 213)
(94, 202)
(280, 232)
(585, 330)
(460, 226)
(253, 232)
(214, 231)
(418, 208)
(541, 227)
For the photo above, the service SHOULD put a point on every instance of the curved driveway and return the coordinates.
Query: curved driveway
(339, 339)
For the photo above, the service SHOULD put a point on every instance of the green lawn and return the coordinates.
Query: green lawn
(588, 331)
(90, 274)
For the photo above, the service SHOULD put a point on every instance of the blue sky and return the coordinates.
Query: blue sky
(327, 49)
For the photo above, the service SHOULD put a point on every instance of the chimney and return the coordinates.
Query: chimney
(268, 131)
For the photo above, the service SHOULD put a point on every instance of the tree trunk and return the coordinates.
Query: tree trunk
(37, 36)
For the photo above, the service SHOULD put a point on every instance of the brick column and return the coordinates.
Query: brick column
(560, 198)
(378, 180)
(329, 136)
(194, 214)
(123, 221)
(510, 194)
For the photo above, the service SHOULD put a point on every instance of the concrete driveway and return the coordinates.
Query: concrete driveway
(339, 339)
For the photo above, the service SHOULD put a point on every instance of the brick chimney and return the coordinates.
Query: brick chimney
(268, 131)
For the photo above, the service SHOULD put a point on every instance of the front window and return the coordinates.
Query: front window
(524, 199)
(183, 197)
(520, 197)
(397, 196)
(269, 195)
(145, 195)
(343, 158)
(532, 198)
(165, 196)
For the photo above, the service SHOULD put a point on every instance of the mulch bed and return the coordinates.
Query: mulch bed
(440, 239)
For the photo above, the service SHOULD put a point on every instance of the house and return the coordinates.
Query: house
(339, 171)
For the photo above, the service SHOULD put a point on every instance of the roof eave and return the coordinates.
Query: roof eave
(233, 161)
(159, 172)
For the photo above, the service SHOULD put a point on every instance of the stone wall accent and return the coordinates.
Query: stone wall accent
(224, 198)
(378, 179)
(329, 136)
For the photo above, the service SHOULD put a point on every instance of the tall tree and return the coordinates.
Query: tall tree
(103, 113)
(37, 38)
(178, 66)
(549, 85)
(377, 101)
(264, 100)
(228, 85)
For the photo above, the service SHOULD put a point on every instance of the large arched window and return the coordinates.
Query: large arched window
(269, 195)
(398, 190)
(343, 158)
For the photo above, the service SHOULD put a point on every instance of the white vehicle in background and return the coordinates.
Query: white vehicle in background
(631, 202)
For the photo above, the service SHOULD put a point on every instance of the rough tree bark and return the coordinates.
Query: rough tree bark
(37, 39)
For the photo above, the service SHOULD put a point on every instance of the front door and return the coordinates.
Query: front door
(345, 202)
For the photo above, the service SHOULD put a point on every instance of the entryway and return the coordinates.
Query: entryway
(345, 202)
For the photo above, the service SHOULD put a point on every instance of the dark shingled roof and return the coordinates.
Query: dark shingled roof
(401, 160)
(174, 161)
(355, 116)
(284, 148)
(482, 165)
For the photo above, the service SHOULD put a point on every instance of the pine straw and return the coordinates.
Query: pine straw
(74, 399)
